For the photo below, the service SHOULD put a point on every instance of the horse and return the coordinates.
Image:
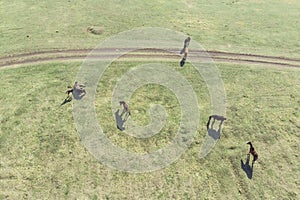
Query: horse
(252, 152)
(76, 87)
(185, 51)
(125, 108)
(215, 117)
(186, 44)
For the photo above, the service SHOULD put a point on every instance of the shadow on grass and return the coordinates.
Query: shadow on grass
(215, 134)
(67, 100)
(76, 95)
(119, 121)
(247, 168)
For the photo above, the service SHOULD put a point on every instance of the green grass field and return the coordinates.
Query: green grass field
(42, 156)
(268, 27)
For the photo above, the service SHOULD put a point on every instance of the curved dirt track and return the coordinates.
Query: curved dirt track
(80, 55)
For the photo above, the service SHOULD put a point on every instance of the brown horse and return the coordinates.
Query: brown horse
(215, 117)
(185, 50)
(125, 108)
(76, 87)
(186, 44)
(252, 152)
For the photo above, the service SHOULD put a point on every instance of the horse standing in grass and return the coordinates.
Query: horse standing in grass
(215, 134)
(125, 109)
(185, 50)
(252, 152)
(77, 92)
(215, 117)
(76, 88)
(186, 44)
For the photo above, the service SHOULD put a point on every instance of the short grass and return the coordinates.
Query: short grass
(266, 27)
(42, 157)
(41, 153)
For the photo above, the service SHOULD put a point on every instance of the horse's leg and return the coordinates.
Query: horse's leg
(208, 122)
(222, 120)
(123, 112)
(220, 126)
(125, 118)
(127, 115)
(248, 159)
(253, 161)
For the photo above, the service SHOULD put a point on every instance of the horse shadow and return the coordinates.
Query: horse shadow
(215, 134)
(248, 169)
(67, 100)
(182, 62)
(119, 120)
(78, 94)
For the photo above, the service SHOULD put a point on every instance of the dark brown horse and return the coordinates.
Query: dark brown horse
(186, 44)
(253, 152)
(185, 50)
(76, 87)
(215, 117)
(125, 108)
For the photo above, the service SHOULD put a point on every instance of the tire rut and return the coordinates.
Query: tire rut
(80, 54)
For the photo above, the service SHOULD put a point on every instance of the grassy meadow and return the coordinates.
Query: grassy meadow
(42, 156)
(265, 27)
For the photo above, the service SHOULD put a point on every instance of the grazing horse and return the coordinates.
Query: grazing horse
(186, 44)
(125, 108)
(252, 152)
(185, 50)
(215, 117)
